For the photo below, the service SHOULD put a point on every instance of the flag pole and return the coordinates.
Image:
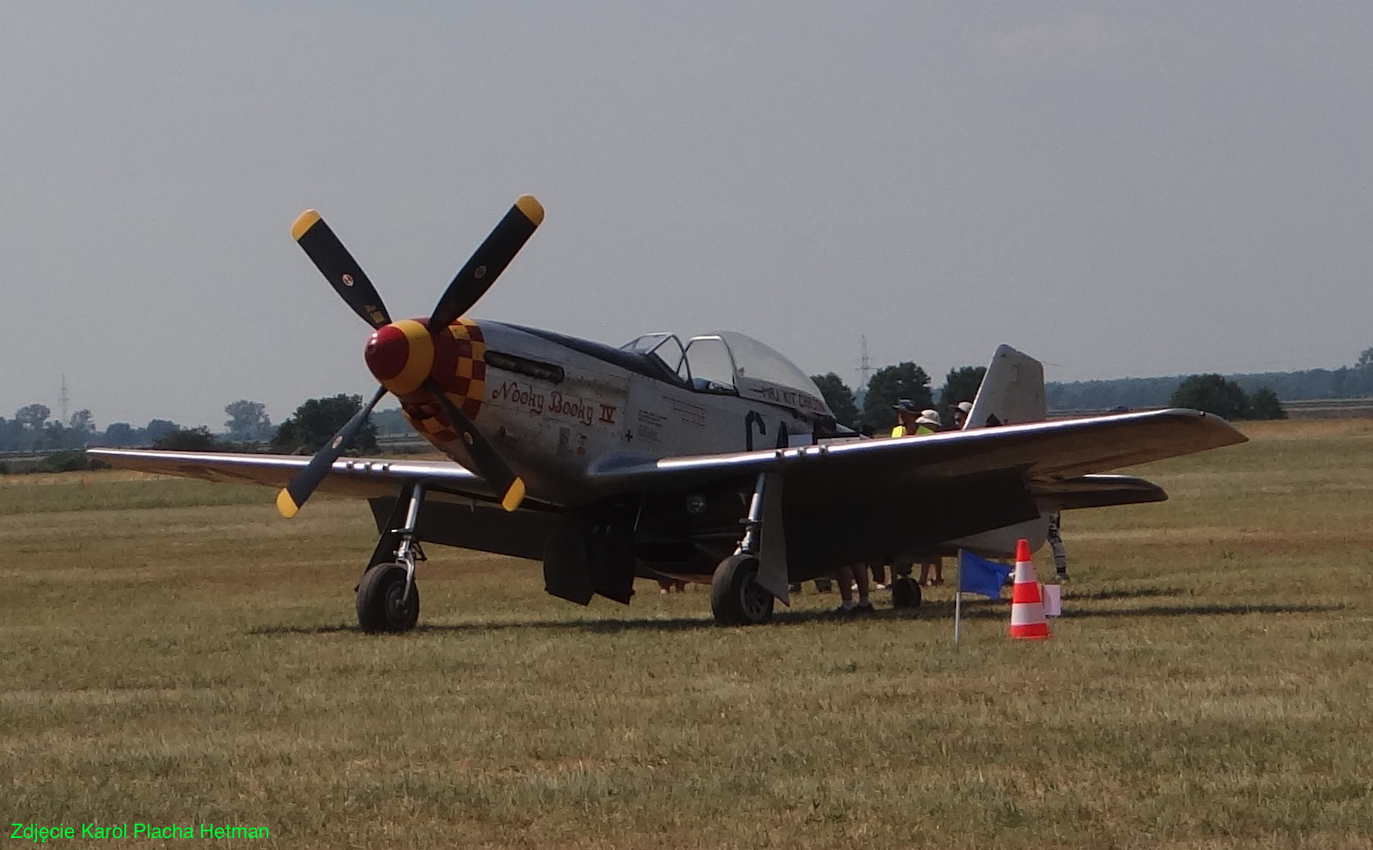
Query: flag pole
(958, 600)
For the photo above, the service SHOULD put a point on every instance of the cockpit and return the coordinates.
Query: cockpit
(729, 363)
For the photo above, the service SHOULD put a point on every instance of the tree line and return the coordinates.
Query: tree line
(1241, 397)
(1354, 381)
(867, 410)
(890, 384)
(248, 428)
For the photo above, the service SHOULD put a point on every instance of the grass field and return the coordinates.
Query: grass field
(172, 652)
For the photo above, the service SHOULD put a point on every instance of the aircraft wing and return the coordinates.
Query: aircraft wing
(1041, 454)
(366, 478)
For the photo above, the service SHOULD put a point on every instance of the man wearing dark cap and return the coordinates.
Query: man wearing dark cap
(911, 421)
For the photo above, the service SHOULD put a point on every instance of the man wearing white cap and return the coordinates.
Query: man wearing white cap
(960, 414)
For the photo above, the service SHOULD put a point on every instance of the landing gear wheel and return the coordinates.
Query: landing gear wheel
(905, 593)
(380, 608)
(736, 597)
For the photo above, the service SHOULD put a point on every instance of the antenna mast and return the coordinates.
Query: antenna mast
(864, 367)
(64, 399)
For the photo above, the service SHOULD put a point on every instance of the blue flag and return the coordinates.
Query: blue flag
(979, 575)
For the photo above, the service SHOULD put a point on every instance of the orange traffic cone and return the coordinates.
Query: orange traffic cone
(1027, 607)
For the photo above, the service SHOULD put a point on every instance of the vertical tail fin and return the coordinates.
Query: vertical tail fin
(1012, 391)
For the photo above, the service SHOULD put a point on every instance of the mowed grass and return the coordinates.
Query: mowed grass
(175, 653)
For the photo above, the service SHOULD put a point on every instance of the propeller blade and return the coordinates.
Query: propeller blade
(339, 267)
(290, 499)
(490, 465)
(487, 263)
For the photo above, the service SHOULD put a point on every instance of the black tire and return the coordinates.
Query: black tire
(736, 597)
(905, 593)
(379, 600)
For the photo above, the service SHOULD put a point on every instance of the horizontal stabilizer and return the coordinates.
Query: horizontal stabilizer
(1095, 491)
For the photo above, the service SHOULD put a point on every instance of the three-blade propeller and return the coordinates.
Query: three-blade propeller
(352, 284)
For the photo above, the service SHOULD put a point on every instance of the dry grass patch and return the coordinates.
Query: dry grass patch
(197, 661)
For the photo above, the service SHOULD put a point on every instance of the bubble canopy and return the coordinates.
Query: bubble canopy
(729, 362)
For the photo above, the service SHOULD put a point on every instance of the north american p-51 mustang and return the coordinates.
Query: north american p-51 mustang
(711, 461)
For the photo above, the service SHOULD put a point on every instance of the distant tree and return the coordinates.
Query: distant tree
(83, 423)
(1264, 404)
(248, 420)
(961, 384)
(391, 421)
(159, 428)
(1213, 394)
(839, 397)
(122, 434)
(32, 417)
(12, 436)
(1365, 359)
(187, 440)
(53, 436)
(889, 385)
(316, 421)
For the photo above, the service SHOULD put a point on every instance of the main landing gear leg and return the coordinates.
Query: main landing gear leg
(736, 597)
(388, 600)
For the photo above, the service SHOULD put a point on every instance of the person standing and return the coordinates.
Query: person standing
(960, 414)
(913, 423)
(1056, 544)
(851, 578)
(906, 415)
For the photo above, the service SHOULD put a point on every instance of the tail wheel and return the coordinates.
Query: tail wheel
(382, 604)
(736, 597)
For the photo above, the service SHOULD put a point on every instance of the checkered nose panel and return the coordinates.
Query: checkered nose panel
(460, 369)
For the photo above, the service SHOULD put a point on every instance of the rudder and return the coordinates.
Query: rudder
(1012, 391)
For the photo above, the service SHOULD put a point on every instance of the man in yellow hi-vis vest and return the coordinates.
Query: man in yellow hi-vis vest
(913, 422)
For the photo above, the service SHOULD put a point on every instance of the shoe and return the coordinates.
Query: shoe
(844, 610)
(863, 608)
(937, 581)
(1062, 577)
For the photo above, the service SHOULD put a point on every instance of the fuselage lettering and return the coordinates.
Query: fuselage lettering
(512, 392)
(573, 408)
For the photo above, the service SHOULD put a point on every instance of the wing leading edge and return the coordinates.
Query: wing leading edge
(1042, 453)
(365, 478)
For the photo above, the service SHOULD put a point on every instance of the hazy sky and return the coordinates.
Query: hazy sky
(1120, 189)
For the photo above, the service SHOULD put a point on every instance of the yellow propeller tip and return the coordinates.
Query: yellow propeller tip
(303, 222)
(286, 505)
(532, 209)
(513, 496)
